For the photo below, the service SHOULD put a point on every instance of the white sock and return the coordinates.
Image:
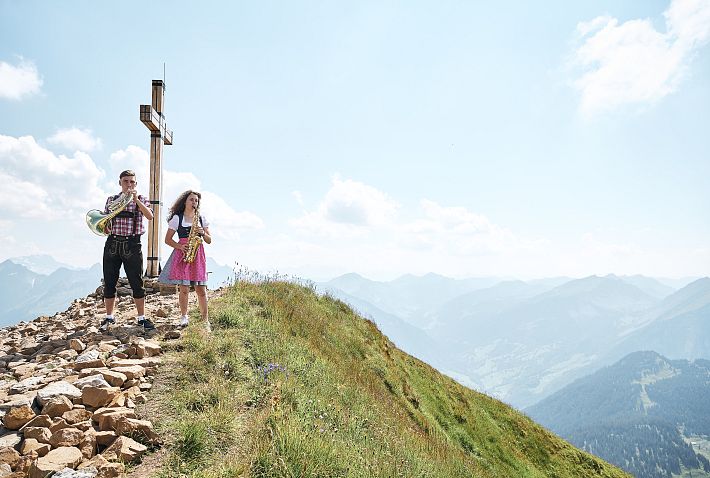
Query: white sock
(141, 318)
(184, 317)
(109, 316)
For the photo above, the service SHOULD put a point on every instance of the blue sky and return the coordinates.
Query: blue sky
(463, 138)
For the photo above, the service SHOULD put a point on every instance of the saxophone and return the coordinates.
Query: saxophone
(100, 223)
(193, 240)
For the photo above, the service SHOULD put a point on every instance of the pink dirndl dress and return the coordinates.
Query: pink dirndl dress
(185, 273)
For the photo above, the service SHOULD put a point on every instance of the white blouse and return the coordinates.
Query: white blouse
(175, 221)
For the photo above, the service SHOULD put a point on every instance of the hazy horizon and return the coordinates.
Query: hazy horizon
(683, 279)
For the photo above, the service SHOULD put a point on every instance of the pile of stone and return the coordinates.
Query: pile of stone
(123, 288)
(68, 391)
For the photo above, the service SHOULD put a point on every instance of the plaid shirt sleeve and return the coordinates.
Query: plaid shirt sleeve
(123, 226)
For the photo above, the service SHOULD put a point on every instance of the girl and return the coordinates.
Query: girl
(177, 271)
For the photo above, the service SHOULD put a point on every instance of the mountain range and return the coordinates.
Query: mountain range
(25, 295)
(645, 413)
(31, 286)
(521, 341)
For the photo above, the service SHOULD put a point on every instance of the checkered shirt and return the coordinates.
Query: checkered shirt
(123, 226)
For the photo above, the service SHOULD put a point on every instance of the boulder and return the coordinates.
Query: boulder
(96, 462)
(10, 456)
(115, 379)
(98, 396)
(11, 440)
(18, 416)
(39, 421)
(96, 380)
(98, 363)
(56, 406)
(76, 415)
(23, 386)
(68, 354)
(172, 335)
(17, 401)
(69, 473)
(124, 449)
(23, 465)
(41, 434)
(77, 345)
(130, 371)
(84, 426)
(58, 424)
(88, 444)
(147, 348)
(66, 437)
(105, 438)
(106, 469)
(30, 444)
(55, 460)
(106, 417)
(60, 387)
(88, 356)
(141, 430)
(24, 371)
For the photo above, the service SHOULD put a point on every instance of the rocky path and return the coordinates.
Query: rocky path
(68, 391)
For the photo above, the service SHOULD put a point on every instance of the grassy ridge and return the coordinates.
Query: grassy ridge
(294, 384)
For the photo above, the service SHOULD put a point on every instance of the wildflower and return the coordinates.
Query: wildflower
(267, 369)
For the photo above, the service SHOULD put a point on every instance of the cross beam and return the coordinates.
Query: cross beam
(152, 116)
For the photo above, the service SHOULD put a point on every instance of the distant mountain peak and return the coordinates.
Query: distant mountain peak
(40, 263)
(350, 276)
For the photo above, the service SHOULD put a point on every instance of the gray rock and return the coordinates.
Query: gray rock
(57, 388)
(10, 440)
(88, 356)
(31, 383)
(69, 473)
(17, 401)
(93, 381)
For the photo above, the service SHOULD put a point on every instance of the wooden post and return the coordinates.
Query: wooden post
(152, 116)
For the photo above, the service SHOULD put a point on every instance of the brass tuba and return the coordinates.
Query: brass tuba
(100, 223)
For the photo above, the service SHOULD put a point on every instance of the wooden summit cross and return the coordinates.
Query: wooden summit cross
(152, 116)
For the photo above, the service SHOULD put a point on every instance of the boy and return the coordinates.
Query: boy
(123, 246)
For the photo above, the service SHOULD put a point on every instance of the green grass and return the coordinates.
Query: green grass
(293, 384)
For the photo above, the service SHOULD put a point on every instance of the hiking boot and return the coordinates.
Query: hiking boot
(106, 322)
(147, 324)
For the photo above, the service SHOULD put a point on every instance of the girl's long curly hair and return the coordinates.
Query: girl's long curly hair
(178, 207)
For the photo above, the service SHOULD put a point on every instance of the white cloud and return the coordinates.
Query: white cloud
(41, 184)
(76, 139)
(225, 221)
(459, 231)
(19, 81)
(632, 62)
(133, 157)
(348, 207)
(450, 240)
(48, 192)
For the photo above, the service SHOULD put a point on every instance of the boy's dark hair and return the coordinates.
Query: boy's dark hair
(127, 172)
